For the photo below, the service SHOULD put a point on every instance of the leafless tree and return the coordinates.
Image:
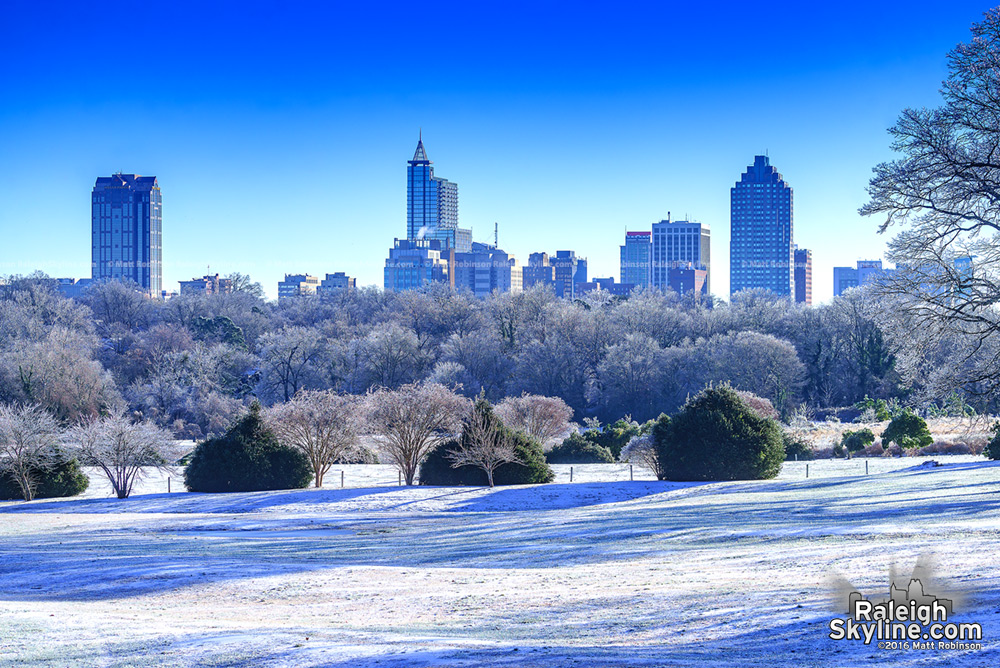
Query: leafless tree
(485, 443)
(289, 360)
(542, 418)
(323, 425)
(122, 448)
(944, 192)
(641, 450)
(412, 421)
(29, 437)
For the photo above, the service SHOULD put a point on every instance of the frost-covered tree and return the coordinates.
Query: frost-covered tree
(122, 448)
(542, 418)
(29, 439)
(290, 361)
(631, 378)
(324, 425)
(412, 420)
(943, 194)
(485, 444)
(641, 450)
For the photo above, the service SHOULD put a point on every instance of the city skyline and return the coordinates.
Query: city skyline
(563, 148)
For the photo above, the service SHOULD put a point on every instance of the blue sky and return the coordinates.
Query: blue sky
(280, 131)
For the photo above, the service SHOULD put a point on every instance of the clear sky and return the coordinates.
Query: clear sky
(280, 131)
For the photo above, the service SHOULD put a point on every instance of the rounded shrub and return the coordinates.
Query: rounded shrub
(796, 447)
(247, 458)
(907, 430)
(856, 441)
(716, 436)
(578, 450)
(436, 469)
(63, 479)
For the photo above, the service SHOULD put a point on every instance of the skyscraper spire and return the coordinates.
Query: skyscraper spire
(420, 155)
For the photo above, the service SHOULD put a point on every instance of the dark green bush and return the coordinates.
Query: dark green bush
(907, 430)
(63, 479)
(578, 450)
(436, 469)
(878, 407)
(796, 447)
(246, 458)
(716, 436)
(992, 449)
(856, 441)
(614, 437)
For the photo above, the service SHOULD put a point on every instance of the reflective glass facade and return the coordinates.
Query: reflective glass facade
(761, 247)
(431, 202)
(636, 258)
(126, 231)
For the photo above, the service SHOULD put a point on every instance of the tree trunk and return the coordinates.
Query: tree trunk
(489, 477)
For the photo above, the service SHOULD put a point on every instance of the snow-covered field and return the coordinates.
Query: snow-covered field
(602, 571)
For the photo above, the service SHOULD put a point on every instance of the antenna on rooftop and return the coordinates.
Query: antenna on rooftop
(496, 234)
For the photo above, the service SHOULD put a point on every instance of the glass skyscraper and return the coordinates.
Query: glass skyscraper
(636, 259)
(432, 205)
(126, 231)
(761, 248)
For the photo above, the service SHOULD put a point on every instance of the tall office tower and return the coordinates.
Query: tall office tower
(126, 231)
(636, 258)
(432, 205)
(569, 270)
(804, 276)
(760, 247)
(681, 256)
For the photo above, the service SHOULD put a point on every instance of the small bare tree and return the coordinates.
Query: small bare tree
(542, 418)
(323, 425)
(123, 448)
(641, 450)
(29, 437)
(485, 443)
(412, 421)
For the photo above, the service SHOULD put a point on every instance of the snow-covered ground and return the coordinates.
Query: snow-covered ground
(603, 571)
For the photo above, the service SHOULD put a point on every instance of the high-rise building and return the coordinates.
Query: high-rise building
(760, 247)
(804, 276)
(539, 271)
(126, 231)
(335, 282)
(679, 247)
(485, 270)
(845, 278)
(297, 285)
(636, 259)
(414, 263)
(569, 270)
(432, 205)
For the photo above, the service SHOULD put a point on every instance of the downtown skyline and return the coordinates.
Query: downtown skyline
(268, 175)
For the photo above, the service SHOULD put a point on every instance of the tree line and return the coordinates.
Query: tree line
(191, 363)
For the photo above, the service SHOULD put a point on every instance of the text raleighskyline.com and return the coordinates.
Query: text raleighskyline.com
(916, 623)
